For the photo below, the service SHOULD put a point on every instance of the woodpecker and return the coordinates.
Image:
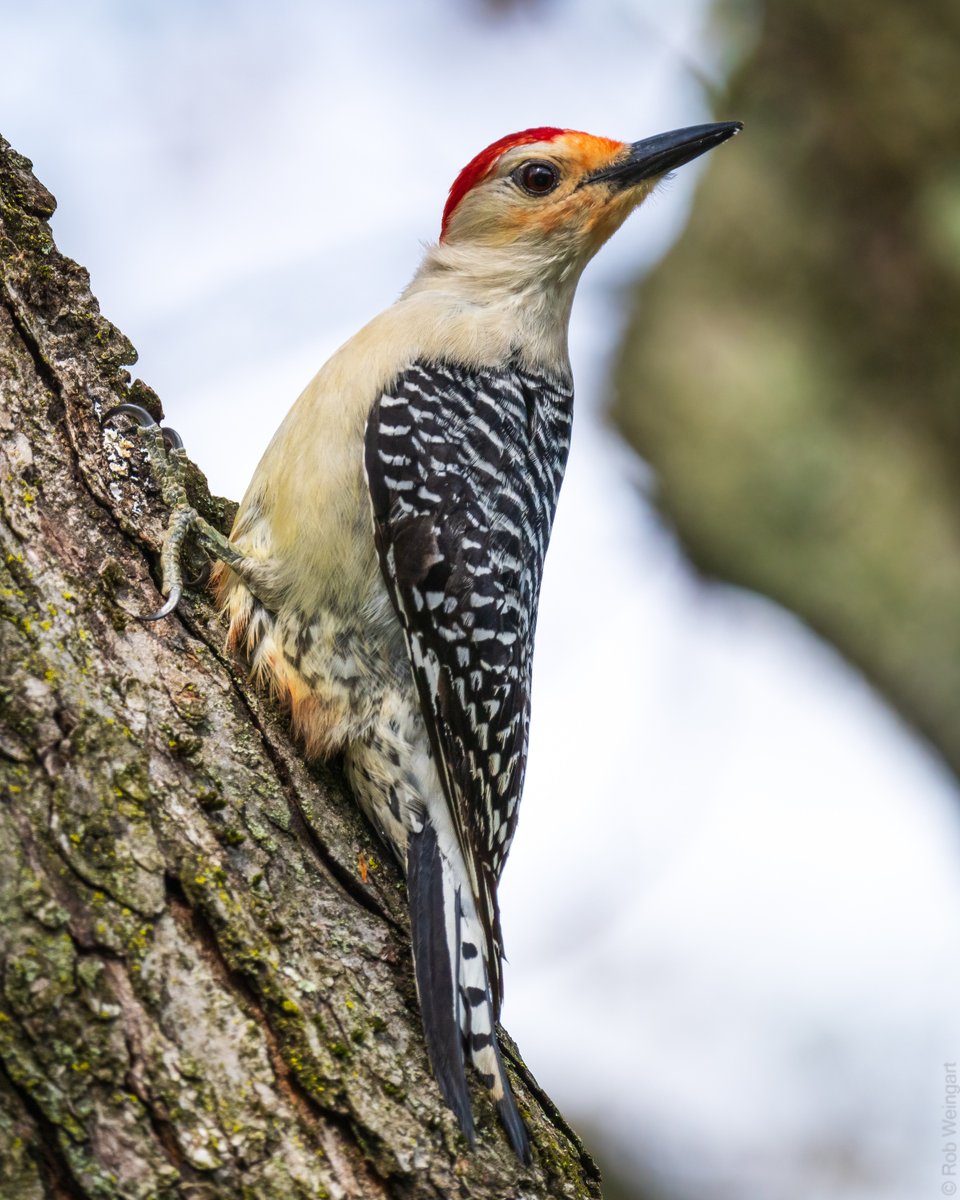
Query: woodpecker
(383, 573)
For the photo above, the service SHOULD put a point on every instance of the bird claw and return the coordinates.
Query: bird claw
(176, 595)
(171, 439)
(182, 517)
(164, 448)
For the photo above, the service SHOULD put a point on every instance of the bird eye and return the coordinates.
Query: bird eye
(537, 178)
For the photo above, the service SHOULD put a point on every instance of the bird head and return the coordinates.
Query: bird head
(522, 220)
(558, 194)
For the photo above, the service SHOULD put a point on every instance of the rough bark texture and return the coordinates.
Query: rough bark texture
(792, 369)
(201, 994)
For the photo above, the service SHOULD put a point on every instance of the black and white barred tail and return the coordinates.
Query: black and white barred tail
(454, 987)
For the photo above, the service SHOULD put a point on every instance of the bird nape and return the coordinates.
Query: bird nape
(383, 572)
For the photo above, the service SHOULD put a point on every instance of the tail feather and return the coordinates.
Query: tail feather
(478, 1025)
(511, 1119)
(432, 917)
(458, 1014)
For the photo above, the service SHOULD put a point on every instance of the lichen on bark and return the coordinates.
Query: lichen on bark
(199, 994)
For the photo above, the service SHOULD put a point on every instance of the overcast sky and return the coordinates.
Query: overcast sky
(733, 905)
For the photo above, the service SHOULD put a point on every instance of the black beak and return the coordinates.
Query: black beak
(655, 155)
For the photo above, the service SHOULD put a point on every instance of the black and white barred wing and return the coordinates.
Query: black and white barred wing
(464, 468)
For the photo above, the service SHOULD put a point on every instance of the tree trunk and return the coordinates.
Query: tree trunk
(790, 371)
(206, 983)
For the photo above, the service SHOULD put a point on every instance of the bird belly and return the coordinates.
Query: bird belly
(330, 668)
(348, 685)
(391, 770)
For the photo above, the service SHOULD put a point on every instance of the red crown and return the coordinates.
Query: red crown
(478, 168)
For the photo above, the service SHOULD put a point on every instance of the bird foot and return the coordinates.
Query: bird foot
(164, 448)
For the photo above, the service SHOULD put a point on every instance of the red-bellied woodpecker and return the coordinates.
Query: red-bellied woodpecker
(384, 569)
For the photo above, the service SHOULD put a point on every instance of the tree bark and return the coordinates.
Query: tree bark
(206, 984)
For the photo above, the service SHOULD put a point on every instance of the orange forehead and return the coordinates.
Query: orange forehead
(589, 151)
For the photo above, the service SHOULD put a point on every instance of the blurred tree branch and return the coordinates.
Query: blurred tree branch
(792, 370)
(201, 992)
